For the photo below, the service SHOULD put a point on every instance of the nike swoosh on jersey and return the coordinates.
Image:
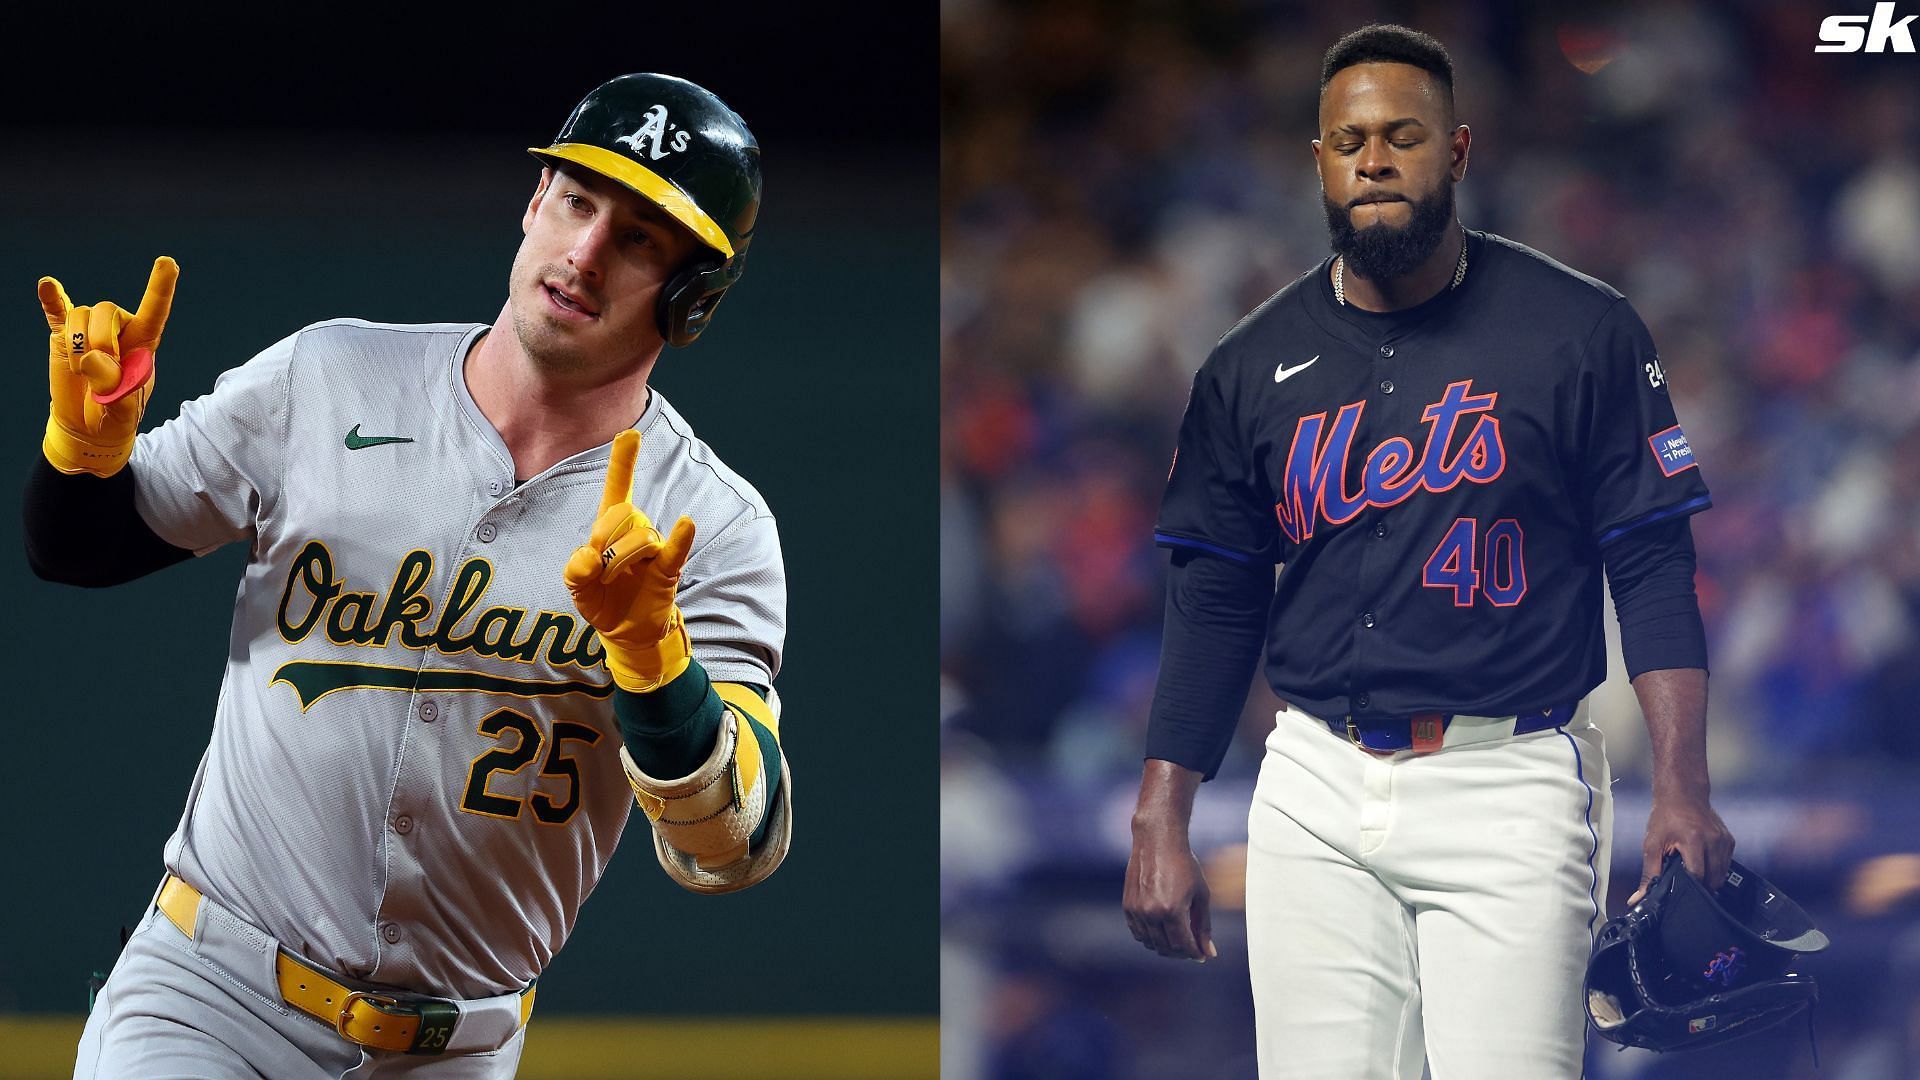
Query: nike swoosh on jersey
(355, 441)
(1283, 372)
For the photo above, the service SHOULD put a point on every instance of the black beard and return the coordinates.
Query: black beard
(1381, 252)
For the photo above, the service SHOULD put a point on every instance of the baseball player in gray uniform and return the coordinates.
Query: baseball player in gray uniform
(461, 650)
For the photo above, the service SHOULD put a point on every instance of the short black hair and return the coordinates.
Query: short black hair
(1393, 44)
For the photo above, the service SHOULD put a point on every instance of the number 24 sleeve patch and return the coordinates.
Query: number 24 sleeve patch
(1671, 451)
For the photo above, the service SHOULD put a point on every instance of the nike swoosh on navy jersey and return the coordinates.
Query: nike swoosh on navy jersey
(1283, 372)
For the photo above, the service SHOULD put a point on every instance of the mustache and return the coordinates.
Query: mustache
(569, 281)
(1380, 252)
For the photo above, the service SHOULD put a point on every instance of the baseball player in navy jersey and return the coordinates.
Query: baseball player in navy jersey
(462, 648)
(1440, 438)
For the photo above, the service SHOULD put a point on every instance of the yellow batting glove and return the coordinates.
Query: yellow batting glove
(623, 580)
(100, 372)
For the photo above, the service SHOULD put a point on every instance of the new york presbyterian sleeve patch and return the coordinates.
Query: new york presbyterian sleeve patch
(1671, 451)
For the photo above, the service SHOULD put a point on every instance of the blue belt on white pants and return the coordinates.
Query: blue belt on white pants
(1423, 732)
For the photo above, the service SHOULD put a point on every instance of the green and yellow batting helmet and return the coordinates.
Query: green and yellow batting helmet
(680, 147)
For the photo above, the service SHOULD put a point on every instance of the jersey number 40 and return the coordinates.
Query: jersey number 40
(1501, 575)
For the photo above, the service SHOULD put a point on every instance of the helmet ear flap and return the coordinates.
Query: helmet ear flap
(688, 298)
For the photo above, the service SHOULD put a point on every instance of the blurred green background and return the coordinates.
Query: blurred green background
(327, 179)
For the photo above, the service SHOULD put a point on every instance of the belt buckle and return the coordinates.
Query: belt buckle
(1353, 736)
(385, 1002)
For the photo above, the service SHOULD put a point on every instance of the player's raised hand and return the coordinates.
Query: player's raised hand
(100, 372)
(625, 577)
(139, 338)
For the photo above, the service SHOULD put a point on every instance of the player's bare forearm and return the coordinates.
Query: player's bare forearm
(1166, 898)
(1166, 797)
(1674, 702)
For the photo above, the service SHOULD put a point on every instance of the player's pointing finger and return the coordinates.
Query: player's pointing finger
(626, 448)
(155, 306)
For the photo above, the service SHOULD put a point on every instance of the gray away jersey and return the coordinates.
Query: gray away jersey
(414, 776)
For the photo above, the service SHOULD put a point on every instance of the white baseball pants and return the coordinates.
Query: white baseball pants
(1433, 909)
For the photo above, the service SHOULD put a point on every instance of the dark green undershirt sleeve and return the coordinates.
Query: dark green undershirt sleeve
(671, 731)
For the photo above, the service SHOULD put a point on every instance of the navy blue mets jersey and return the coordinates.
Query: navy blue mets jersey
(1437, 483)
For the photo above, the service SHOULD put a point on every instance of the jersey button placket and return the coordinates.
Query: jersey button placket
(390, 933)
(1368, 567)
(403, 824)
(429, 711)
(486, 532)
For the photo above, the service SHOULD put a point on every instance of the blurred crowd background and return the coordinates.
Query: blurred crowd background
(1122, 181)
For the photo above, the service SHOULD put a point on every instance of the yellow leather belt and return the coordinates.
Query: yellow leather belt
(375, 1020)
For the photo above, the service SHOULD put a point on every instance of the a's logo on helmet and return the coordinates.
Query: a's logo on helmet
(652, 138)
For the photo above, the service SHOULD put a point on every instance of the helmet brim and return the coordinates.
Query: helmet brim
(644, 182)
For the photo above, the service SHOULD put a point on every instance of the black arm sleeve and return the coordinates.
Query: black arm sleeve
(1216, 621)
(82, 530)
(1651, 571)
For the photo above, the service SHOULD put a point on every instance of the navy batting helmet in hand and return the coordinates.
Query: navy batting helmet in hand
(1687, 968)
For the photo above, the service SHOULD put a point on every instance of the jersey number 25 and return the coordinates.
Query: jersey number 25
(511, 759)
